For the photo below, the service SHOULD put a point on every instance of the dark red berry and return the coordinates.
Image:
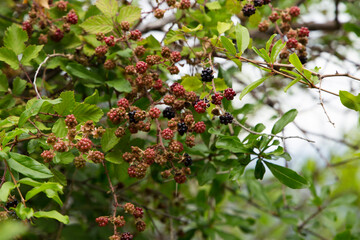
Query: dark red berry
(200, 127)
(102, 221)
(60, 146)
(141, 67)
(167, 134)
(72, 18)
(70, 121)
(135, 35)
(294, 11)
(138, 213)
(123, 102)
(178, 89)
(127, 236)
(200, 106)
(229, 94)
(184, 4)
(154, 112)
(248, 10)
(56, 35)
(101, 50)
(110, 41)
(96, 156)
(47, 156)
(216, 99)
(175, 56)
(303, 32)
(291, 43)
(84, 145)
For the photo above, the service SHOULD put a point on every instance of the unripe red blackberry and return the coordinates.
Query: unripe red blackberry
(199, 127)
(135, 35)
(129, 208)
(190, 140)
(158, 84)
(102, 221)
(154, 113)
(62, 5)
(131, 70)
(184, 4)
(120, 132)
(51, 140)
(56, 35)
(84, 145)
(123, 102)
(291, 43)
(125, 26)
(189, 119)
(303, 32)
(274, 17)
(175, 56)
(180, 178)
(138, 213)
(119, 221)
(176, 147)
(140, 225)
(248, 10)
(127, 236)
(178, 89)
(26, 26)
(60, 146)
(150, 155)
(167, 134)
(173, 70)
(47, 156)
(72, 18)
(139, 51)
(285, 17)
(101, 50)
(159, 13)
(43, 39)
(114, 116)
(109, 64)
(200, 106)
(294, 11)
(70, 121)
(141, 67)
(79, 162)
(153, 59)
(96, 156)
(165, 52)
(229, 94)
(216, 99)
(110, 41)
(169, 99)
(263, 26)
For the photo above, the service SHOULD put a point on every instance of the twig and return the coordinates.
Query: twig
(322, 104)
(307, 220)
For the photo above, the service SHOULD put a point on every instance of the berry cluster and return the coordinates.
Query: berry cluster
(226, 119)
(250, 8)
(207, 75)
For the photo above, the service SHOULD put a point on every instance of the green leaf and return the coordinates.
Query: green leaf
(44, 186)
(120, 85)
(31, 52)
(15, 38)
(97, 24)
(108, 7)
(64, 157)
(92, 99)
(29, 112)
(191, 83)
(84, 112)
(129, 13)
(58, 177)
(231, 143)
(187, 30)
(287, 176)
(109, 140)
(220, 84)
(349, 100)
(265, 55)
(8, 56)
(67, 103)
(242, 37)
(292, 83)
(259, 170)
(82, 72)
(11, 230)
(4, 84)
(269, 42)
(228, 45)
(5, 191)
(52, 214)
(278, 46)
(287, 118)
(251, 87)
(213, 5)
(19, 86)
(28, 166)
(23, 212)
(114, 157)
(223, 27)
(172, 36)
(206, 174)
(294, 60)
(59, 128)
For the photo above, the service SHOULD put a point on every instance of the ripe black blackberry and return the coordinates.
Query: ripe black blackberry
(248, 10)
(258, 3)
(10, 204)
(169, 113)
(207, 75)
(226, 118)
(303, 59)
(188, 160)
(182, 128)
(132, 117)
